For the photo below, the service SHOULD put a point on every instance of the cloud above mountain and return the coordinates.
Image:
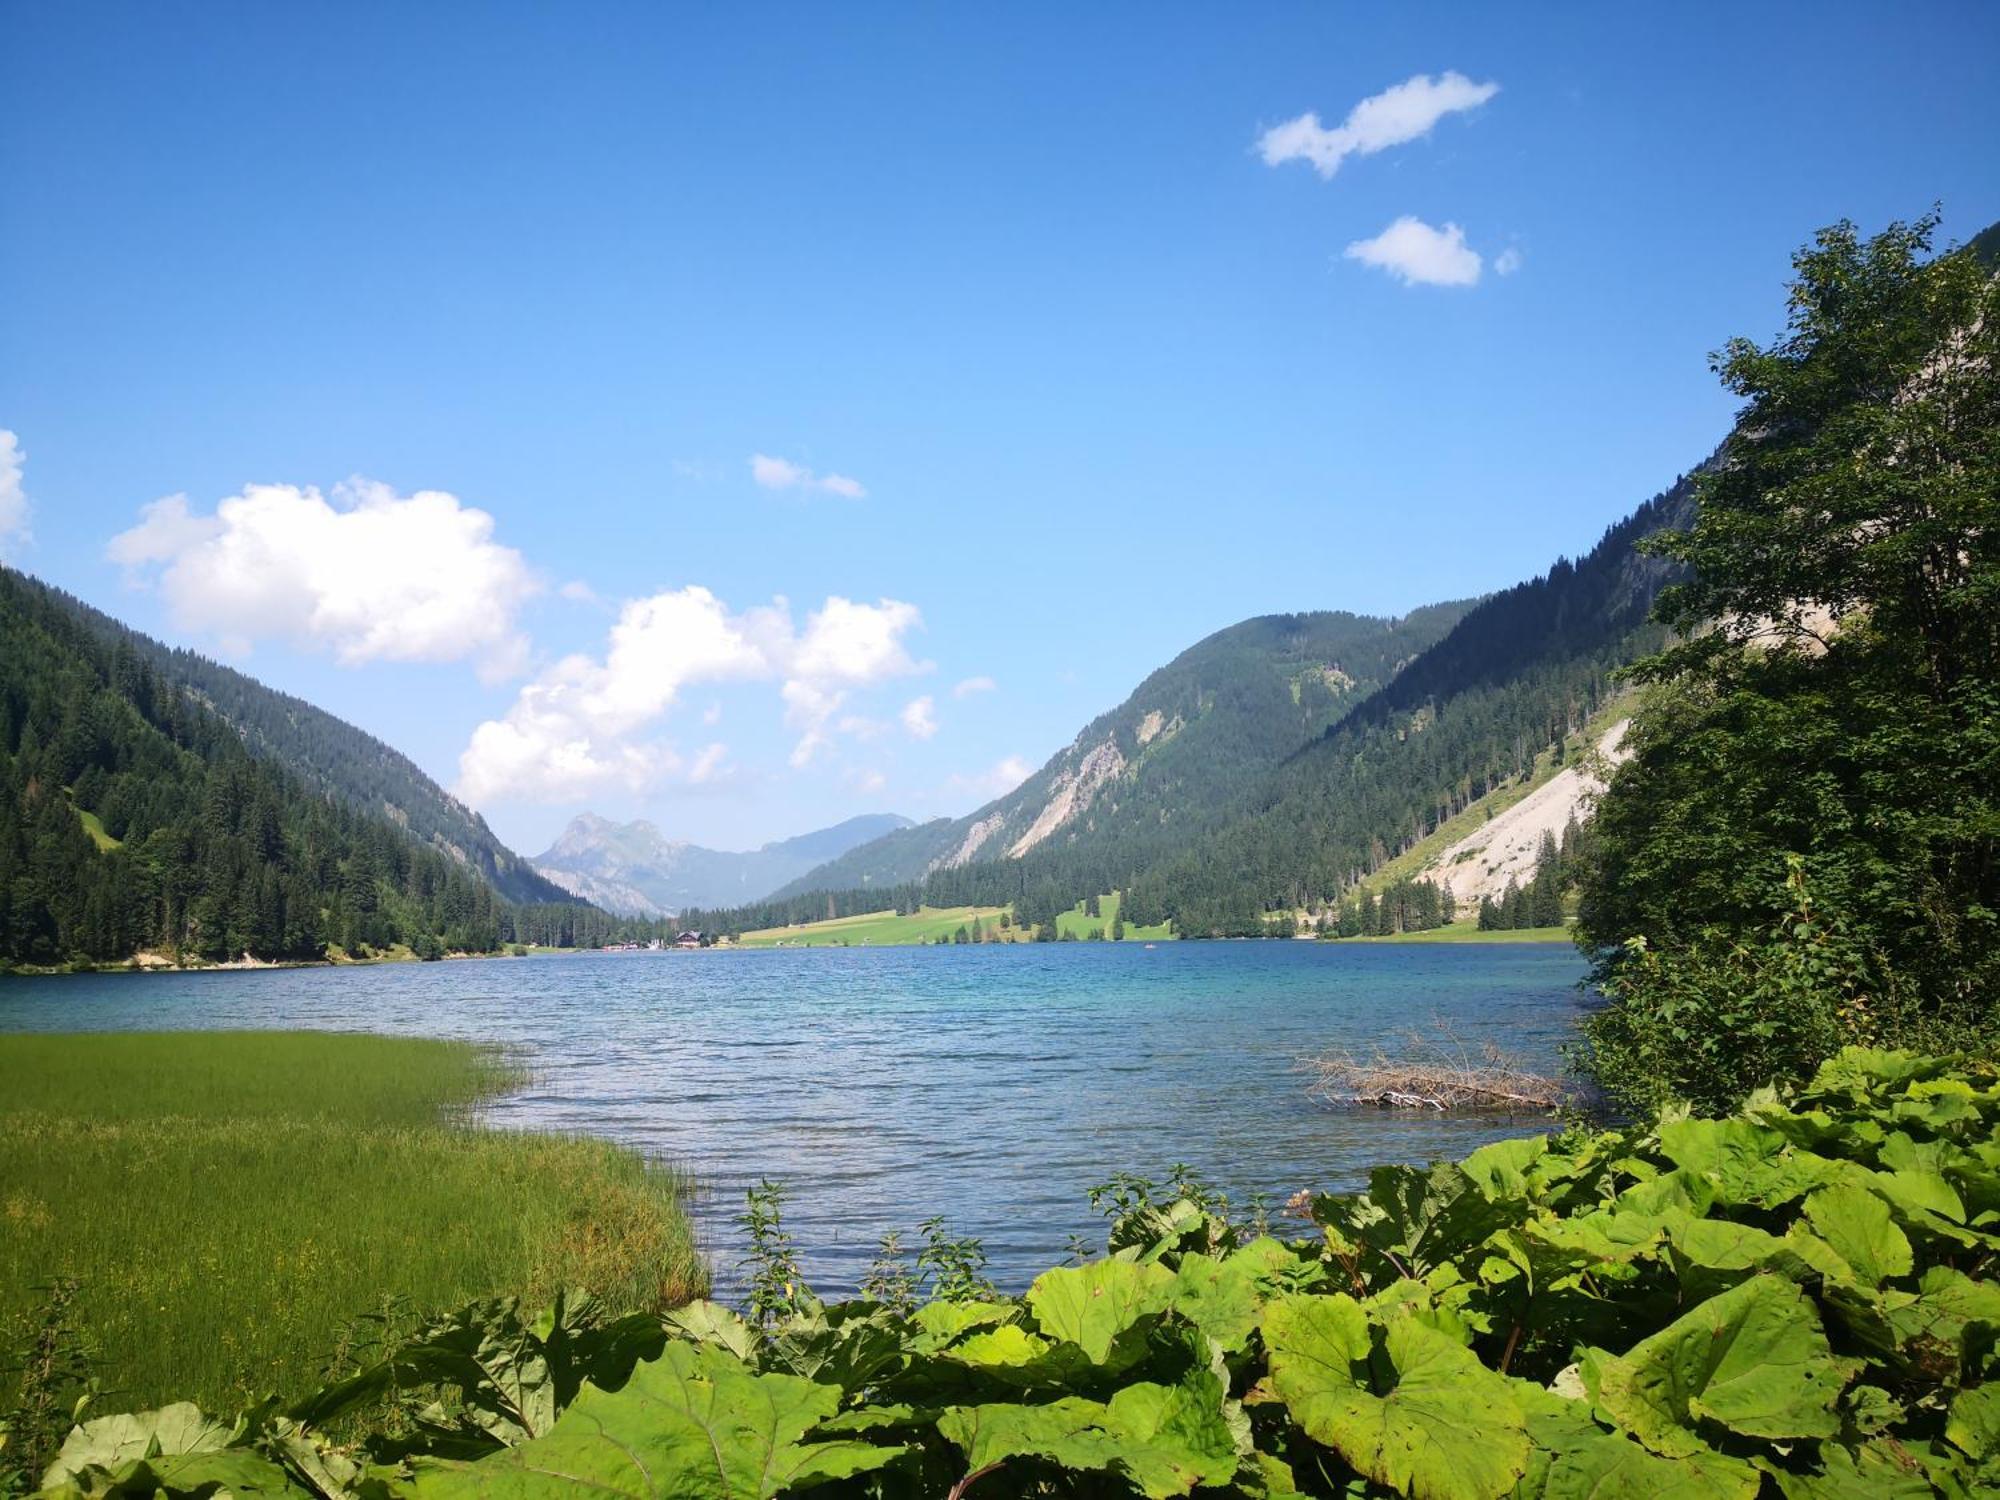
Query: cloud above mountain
(589, 723)
(366, 574)
(13, 492)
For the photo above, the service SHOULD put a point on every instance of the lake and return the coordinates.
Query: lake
(993, 1085)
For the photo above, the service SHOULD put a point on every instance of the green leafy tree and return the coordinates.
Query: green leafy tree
(1827, 721)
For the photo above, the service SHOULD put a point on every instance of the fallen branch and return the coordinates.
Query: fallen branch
(1437, 1072)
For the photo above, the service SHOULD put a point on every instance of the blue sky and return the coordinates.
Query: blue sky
(1052, 371)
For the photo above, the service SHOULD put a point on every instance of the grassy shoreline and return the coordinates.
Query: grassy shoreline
(229, 1203)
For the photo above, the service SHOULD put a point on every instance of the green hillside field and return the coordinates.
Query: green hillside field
(932, 924)
(880, 929)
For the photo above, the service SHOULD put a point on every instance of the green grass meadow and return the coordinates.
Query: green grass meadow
(879, 929)
(229, 1203)
(932, 924)
(1079, 924)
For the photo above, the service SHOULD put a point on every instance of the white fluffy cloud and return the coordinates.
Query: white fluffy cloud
(13, 496)
(1397, 115)
(971, 685)
(783, 474)
(1507, 262)
(369, 575)
(919, 717)
(1419, 255)
(588, 723)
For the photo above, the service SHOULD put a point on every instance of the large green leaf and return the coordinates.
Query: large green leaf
(711, 1323)
(1950, 1323)
(1165, 1439)
(1745, 1163)
(1611, 1467)
(694, 1423)
(110, 1442)
(938, 1323)
(1014, 1358)
(1974, 1424)
(1223, 1298)
(844, 1352)
(1875, 1471)
(1576, 1459)
(1420, 1414)
(208, 1475)
(1415, 1219)
(1092, 1305)
(1857, 1224)
(1500, 1170)
(1753, 1359)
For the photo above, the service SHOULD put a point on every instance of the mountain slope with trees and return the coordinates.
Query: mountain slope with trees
(1224, 711)
(1286, 799)
(328, 754)
(144, 804)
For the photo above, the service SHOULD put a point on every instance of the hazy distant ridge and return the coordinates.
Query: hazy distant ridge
(635, 870)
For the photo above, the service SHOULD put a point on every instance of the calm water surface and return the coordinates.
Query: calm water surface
(993, 1085)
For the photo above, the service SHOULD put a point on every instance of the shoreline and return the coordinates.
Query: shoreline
(1448, 936)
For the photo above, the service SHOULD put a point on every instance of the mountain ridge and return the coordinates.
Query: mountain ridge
(633, 869)
(139, 816)
(325, 751)
(1238, 699)
(1223, 847)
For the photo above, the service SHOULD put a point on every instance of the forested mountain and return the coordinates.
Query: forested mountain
(635, 870)
(329, 755)
(1224, 711)
(1273, 765)
(1522, 672)
(149, 800)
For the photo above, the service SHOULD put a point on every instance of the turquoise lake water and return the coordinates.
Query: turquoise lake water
(993, 1085)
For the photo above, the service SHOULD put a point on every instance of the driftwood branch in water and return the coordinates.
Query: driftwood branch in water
(1436, 1072)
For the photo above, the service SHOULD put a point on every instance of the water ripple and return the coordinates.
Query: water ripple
(991, 1085)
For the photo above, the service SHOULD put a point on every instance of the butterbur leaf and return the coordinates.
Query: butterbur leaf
(1500, 1170)
(1013, 1357)
(1092, 1305)
(1426, 1420)
(111, 1442)
(1858, 1226)
(1223, 1298)
(938, 1323)
(848, 1354)
(694, 1423)
(1745, 1164)
(1951, 1319)
(1165, 1439)
(1612, 1467)
(708, 1322)
(1720, 1245)
(1881, 1470)
(1974, 1423)
(1753, 1359)
(207, 1475)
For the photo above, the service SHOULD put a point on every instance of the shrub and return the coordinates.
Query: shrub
(1796, 1300)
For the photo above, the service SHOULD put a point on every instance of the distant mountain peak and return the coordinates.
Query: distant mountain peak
(634, 869)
